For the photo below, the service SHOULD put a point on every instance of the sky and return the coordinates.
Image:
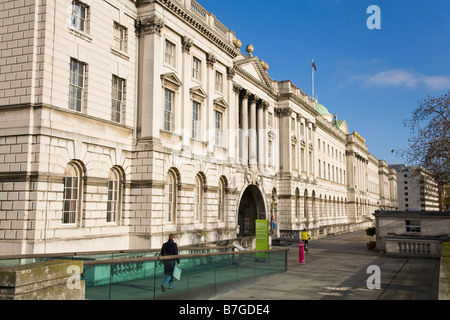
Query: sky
(372, 78)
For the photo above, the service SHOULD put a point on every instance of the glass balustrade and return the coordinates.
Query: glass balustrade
(203, 276)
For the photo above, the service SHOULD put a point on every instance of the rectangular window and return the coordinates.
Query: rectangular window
(169, 53)
(269, 153)
(120, 37)
(70, 202)
(320, 170)
(219, 81)
(196, 122)
(79, 16)
(412, 226)
(76, 86)
(113, 201)
(294, 158)
(293, 124)
(117, 99)
(302, 158)
(168, 110)
(219, 126)
(270, 120)
(196, 69)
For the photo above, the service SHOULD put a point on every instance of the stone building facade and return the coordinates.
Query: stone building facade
(124, 121)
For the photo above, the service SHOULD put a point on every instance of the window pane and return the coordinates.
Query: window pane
(117, 98)
(76, 85)
(168, 110)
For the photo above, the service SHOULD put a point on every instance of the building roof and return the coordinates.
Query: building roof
(412, 214)
(321, 109)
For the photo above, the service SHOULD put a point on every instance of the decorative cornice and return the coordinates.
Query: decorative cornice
(189, 18)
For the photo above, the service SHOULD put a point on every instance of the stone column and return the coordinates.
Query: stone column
(260, 136)
(244, 131)
(252, 132)
(233, 125)
(150, 101)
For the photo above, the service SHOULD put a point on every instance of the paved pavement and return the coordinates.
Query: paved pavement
(336, 268)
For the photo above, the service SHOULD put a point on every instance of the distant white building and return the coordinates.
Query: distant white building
(124, 121)
(417, 190)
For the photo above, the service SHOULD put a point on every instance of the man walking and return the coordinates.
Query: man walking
(169, 248)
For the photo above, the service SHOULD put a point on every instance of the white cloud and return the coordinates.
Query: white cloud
(404, 78)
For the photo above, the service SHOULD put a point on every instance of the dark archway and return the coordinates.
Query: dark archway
(251, 207)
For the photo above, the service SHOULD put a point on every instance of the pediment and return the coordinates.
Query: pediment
(171, 79)
(343, 127)
(221, 103)
(253, 70)
(198, 93)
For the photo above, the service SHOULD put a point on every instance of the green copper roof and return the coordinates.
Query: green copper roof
(321, 109)
(339, 123)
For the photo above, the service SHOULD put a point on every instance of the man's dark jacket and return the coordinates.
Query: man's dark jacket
(169, 248)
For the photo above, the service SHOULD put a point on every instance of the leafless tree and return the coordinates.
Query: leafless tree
(429, 144)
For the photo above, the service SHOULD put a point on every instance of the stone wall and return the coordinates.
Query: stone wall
(50, 280)
(444, 275)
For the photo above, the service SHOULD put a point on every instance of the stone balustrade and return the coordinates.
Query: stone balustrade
(413, 247)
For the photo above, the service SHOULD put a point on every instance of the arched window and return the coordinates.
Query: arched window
(73, 193)
(114, 195)
(170, 195)
(198, 198)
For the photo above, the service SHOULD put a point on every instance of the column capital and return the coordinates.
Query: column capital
(253, 98)
(236, 87)
(210, 59)
(186, 44)
(149, 25)
(231, 71)
(245, 94)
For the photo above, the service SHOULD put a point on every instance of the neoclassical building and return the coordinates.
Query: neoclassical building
(124, 121)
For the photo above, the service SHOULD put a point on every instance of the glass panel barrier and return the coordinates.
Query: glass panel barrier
(203, 275)
(139, 275)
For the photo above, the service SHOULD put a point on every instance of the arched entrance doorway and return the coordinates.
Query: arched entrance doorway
(251, 207)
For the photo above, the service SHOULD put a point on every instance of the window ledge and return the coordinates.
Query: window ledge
(80, 34)
(120, 53)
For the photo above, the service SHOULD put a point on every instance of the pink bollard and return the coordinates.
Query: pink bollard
(301, 252)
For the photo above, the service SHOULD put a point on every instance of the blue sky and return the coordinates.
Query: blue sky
(373, 79)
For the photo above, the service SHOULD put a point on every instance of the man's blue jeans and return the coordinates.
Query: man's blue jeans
(168, 280)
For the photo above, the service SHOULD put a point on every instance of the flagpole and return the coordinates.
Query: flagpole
(312, 71)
